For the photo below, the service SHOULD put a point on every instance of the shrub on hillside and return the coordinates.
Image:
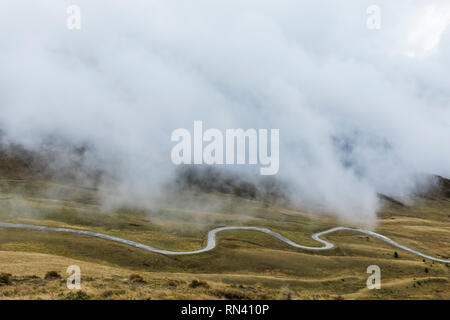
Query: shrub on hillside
(198, 283)
(5, 279)
(136, 278)
(52, 275)
(77, 295)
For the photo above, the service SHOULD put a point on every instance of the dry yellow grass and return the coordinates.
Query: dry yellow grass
(245, 265)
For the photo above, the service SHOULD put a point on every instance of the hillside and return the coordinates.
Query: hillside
(245, 265)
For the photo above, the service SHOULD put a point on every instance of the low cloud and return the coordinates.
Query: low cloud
(360, 111)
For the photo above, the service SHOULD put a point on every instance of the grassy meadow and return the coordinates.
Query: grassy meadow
(245, 264)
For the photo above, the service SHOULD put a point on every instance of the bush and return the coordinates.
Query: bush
(172, 283)
(52, 275)
(107, 294)
(5, 279)
(395, 254)
(136, 278)
(110, 293)
(78, 295)
(199, 283)
(286, 294)
(231, 294)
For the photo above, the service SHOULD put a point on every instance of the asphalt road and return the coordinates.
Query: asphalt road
(211, 244)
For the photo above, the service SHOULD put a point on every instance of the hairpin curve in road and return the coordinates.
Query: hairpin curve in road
(211, 244)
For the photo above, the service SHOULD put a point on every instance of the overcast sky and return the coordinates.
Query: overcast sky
(360, 111)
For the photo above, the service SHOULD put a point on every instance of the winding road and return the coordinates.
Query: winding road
(211, 244)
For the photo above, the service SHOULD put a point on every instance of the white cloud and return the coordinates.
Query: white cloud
(356, 116)
(427, 27)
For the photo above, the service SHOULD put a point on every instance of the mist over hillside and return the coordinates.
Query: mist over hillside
(360, 112)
